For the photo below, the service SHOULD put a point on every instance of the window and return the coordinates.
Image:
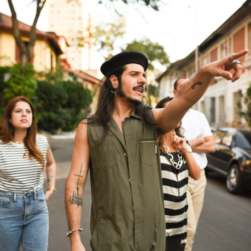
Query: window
(213, 55)
(243, 139)
(17, 53)
(221, 111)
(239, 41)
(249, 38)
(236, 99)
(212, 110)
(204, 60)
(230, 45)
(227, 139)
(222, 50)
(217, 137)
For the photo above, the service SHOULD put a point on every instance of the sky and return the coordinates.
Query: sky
(178, 26)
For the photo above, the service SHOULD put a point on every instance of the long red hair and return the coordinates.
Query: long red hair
(7, 130)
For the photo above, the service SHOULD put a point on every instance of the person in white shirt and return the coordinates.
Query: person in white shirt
(198, 133)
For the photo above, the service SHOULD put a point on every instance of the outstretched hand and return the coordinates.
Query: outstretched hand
(222, 67)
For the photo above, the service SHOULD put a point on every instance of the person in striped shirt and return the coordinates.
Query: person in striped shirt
(23, 155)
(176, 164)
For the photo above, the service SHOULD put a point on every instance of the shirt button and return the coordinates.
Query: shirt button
(132, 208)
(129, 180)
(125, 154)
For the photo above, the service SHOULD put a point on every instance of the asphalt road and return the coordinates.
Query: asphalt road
(225, 222)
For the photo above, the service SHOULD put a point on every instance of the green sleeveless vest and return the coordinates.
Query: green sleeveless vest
(127, 200)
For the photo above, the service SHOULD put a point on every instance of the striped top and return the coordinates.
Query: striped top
(175, 197)
(17, 172)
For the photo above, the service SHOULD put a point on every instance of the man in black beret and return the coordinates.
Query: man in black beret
(119, 145)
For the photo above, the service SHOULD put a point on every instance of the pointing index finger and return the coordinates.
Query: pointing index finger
(239, 54)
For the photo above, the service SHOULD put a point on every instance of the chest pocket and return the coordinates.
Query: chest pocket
(148, 152)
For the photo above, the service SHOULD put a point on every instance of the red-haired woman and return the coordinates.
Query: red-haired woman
(23, 155)
(176, 163)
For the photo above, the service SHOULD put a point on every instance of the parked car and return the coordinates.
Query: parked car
(232, 158)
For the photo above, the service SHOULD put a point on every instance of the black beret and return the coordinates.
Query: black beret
(123, 58)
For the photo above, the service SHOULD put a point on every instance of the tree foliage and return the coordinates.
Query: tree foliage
(246, 99)
(154, 4)
(60, 105)
(21, 82)
(153, 51)
(107, 34)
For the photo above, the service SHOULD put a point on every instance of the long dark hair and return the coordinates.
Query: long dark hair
(178, 130)
(106, 105)
(7, 130)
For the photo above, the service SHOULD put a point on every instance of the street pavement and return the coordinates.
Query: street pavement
(225, 222)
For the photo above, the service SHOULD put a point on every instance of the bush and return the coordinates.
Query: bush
(78, 97)
(50, 97)
(21, 82)
(61, 105)
(3, 85)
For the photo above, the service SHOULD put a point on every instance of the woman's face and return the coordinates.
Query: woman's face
(21, 116)
(165, 107)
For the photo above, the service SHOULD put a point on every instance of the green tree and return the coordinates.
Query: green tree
(21, 82)
(3, 85)
(25, 49)
(246, 99)
(155, 4)
(153, 51)
(61, 105)
(78, 97)
(106, 35)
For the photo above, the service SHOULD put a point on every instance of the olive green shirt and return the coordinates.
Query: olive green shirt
(127, 200)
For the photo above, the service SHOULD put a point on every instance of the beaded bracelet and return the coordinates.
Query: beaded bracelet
(78, 229)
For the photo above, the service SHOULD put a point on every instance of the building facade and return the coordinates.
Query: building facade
(45, 53)
(219, 103)
(66, 18)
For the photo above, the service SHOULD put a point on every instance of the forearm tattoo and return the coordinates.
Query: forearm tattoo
(49, 177)
(76, 198)
(194, 85)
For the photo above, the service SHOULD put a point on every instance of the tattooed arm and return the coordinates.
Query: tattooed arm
(50, 173)
(74, 187)
(168, 118)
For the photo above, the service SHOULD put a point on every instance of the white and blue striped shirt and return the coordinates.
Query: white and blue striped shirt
(17, 172)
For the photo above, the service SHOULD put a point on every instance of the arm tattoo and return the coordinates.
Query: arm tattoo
(77, 198)
(48, 171)
(194, 85)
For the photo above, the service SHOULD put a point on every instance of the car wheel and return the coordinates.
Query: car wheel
(233, 179)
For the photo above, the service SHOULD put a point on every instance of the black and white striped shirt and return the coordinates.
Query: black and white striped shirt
(175, 198)
(17, 172)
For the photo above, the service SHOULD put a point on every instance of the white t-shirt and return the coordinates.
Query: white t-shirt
(196, 125)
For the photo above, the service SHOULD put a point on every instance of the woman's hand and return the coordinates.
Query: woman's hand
(48, 194)
(180, 144)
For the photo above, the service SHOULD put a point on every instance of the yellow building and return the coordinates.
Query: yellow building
(45, 52)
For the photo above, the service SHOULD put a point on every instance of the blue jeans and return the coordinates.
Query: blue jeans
(24, 219)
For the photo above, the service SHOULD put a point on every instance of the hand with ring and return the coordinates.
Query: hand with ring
(222, 67)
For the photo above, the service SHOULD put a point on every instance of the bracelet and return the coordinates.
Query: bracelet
(51, 188)
(77, 229)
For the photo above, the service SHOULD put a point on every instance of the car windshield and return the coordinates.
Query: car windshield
(243, 139)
